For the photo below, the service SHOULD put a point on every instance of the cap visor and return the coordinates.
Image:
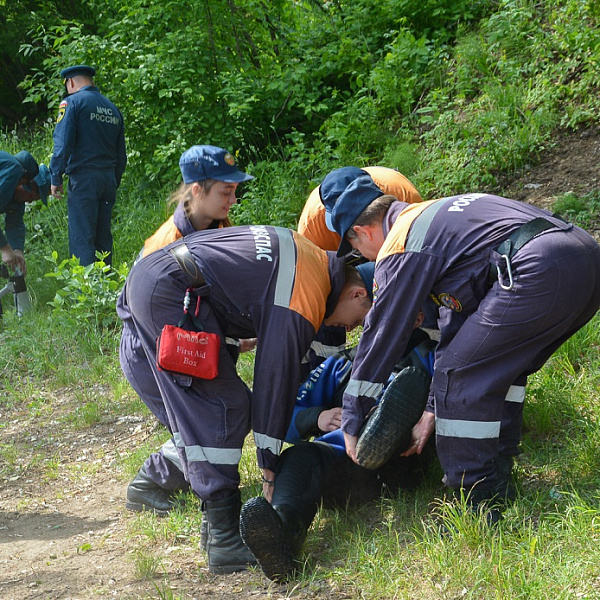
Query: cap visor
(238, 177)
(344, 249)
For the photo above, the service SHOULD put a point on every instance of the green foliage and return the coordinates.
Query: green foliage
(87, 293)
(18, 60)
(324, 84)
(452, 93)
(581, 210)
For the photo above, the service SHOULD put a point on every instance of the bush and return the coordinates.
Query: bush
(87, 293)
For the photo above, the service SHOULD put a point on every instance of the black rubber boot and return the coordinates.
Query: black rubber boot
(494, 500)
(275, 532)
(144, 494)
(224, 546)
(275, 535)
(203, 532)
(388, 428)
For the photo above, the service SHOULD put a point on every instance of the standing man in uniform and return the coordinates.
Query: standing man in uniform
(499, 270)
(89, 147)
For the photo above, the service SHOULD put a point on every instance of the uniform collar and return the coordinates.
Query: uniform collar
(391, 215)
(183, 223)
(88, 88)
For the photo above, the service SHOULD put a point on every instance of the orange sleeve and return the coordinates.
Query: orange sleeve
(391, 182)
(312, 284)
(312, 224)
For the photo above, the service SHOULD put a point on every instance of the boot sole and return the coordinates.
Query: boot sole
(388, 429)
(138, 507)
(262, 532)
(227, 570)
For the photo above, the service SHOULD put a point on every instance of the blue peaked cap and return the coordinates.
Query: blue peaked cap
(43, 182)
(77, 70)
(352, 201)
(210, 162)
(333, 185)
(367, 273)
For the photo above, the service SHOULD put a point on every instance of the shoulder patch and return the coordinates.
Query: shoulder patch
(450, 302)
(62, 107)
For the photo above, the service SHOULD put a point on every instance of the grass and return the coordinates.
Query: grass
(548, 544)
(498, 105)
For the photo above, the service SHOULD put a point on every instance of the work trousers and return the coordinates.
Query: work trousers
(479, 379)
(209, 419)
(91, 198)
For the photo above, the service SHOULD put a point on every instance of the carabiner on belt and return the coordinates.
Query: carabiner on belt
(509, 272)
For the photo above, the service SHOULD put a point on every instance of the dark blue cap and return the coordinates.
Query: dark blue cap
(210, 162)
(367, 273)
(28, 163)
(43, 182)
(77, 70)
(336, 182)
(352, 201)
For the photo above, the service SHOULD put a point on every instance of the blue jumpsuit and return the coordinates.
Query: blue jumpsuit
(89, 147)
(11, 173)
(263, 282)
(491, 338)
(166, 470)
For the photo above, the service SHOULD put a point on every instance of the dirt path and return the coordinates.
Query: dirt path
(67, 536)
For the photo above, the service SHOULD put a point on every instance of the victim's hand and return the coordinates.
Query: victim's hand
(351, 441)
(268, 478)
(330, 420)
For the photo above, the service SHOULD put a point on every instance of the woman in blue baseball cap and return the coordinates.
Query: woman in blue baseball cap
(204, 199)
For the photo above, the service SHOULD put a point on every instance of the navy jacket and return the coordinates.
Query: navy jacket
(89, 134)
(442, 250)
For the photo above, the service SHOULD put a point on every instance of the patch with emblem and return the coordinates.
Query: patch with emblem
(375, 290)
(62, 108)
(450, 302)
(433, 297)
(229, 159)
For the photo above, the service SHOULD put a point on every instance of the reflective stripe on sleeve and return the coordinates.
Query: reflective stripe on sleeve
(476, 430)
(420, 226)
(215, 456)
(325, 350)
(364, 388)
(516, 393)
(265, 442)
